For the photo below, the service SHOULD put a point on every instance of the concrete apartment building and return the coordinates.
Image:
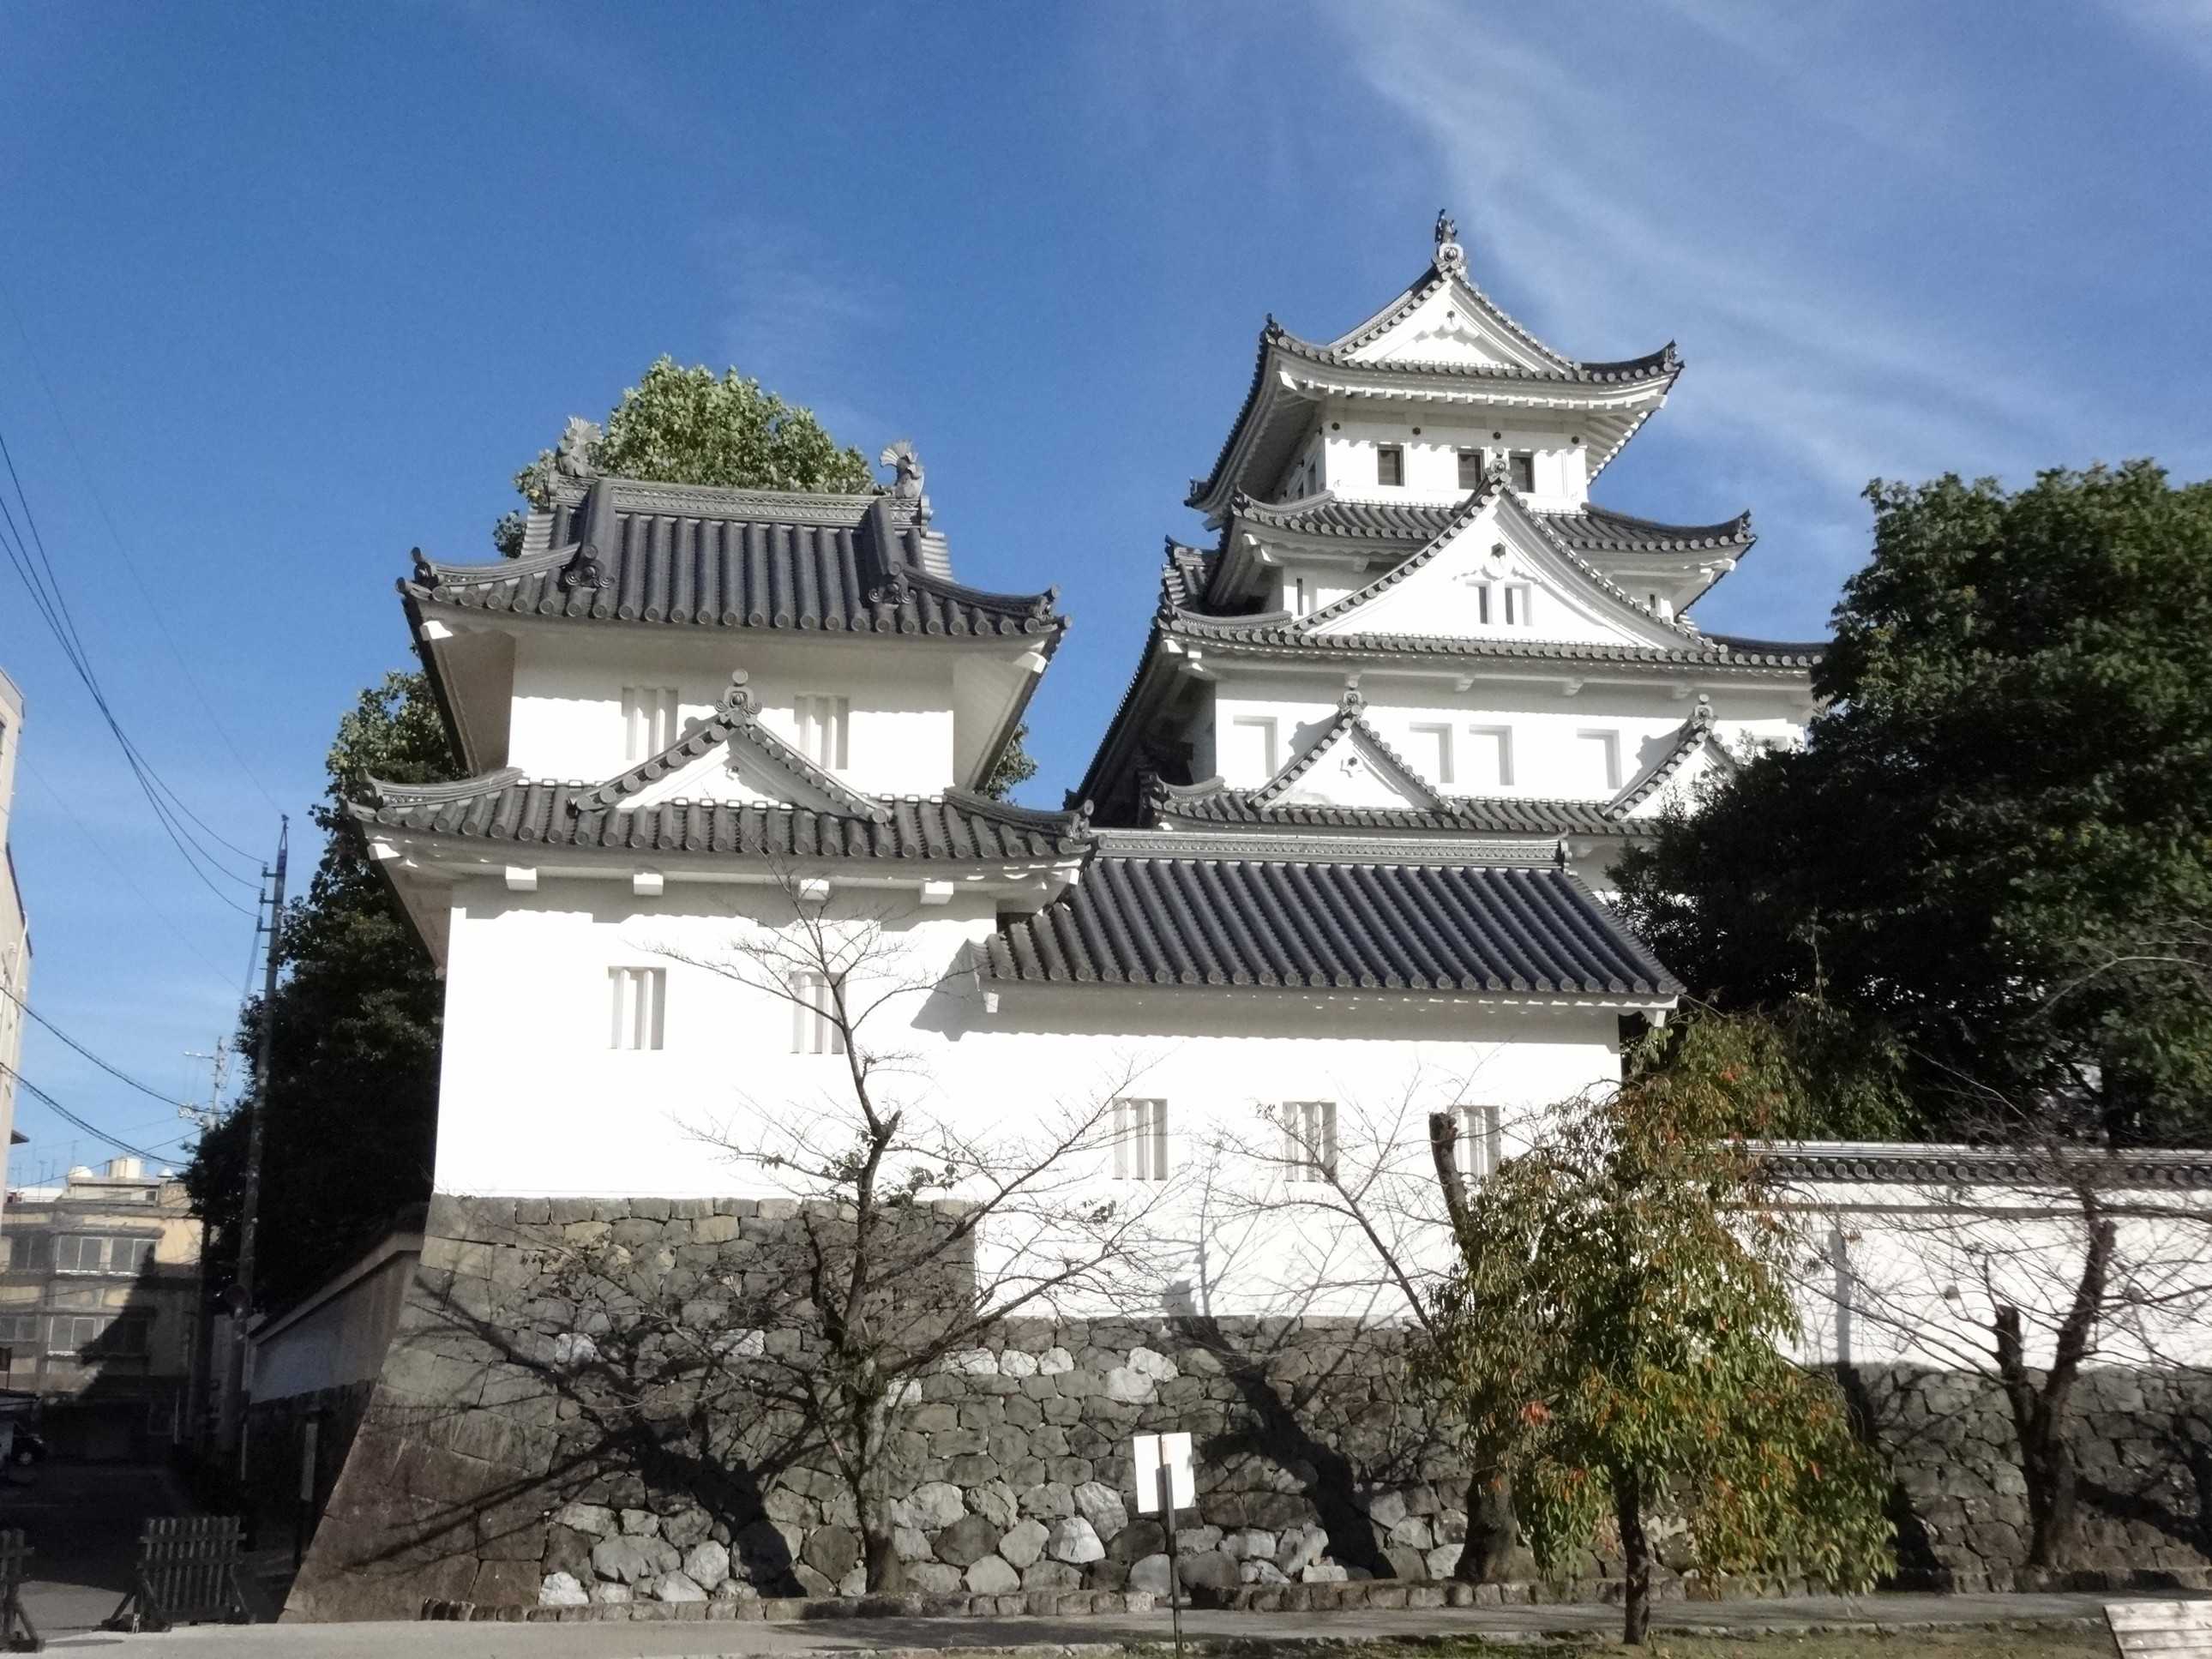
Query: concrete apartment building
(100, 1309)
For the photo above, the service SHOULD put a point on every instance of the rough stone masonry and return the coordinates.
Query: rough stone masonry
(479, 1475)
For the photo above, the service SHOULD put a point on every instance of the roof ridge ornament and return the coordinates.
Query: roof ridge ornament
(899, 455)
(1451, 258)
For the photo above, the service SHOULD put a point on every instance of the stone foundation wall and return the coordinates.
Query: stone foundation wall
(482, 1474)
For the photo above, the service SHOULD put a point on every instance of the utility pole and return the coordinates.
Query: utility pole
(241, 1292)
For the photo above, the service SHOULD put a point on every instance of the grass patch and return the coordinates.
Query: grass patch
(1960, 1643)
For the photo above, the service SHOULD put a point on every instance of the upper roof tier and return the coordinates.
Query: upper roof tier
(1442, 342)
(621, 551)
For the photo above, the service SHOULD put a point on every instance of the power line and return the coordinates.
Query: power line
(69, 1042)
(64, 1112)
(153, 611)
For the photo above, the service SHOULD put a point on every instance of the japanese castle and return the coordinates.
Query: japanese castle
(1342, 851)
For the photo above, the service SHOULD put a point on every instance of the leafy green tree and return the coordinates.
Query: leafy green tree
(352, 1083)
(1992, 853)
(681, 425)
(1614, 1339)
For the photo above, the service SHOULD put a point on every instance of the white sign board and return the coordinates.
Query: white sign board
(1149, 1453)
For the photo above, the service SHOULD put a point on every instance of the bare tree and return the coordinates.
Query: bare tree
(1351, 1204)
(903, 1234)
(2027, 1259)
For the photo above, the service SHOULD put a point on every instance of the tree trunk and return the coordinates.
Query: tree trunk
(1486, 1558)
(2040, 1415)
(1635, 1559)
(886, 1572)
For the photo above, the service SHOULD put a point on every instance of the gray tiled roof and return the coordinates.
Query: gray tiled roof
(1214, 802)
(505, 808)
(642, 553)
(1292, 924)
(1718, 653)
(1988, 1166)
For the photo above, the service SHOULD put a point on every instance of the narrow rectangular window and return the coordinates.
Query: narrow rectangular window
(822, 725)
(1517, 605)
(635, 998)
(1301, 597)
(814, 1027)
(1255, 742)
(1389, 463)
(1601, 759)
(648, 720)
(1470, 468)
(1140, 1140)
(1310, 1140)
(1432, 750)
(1482, 602)
(1524, 471)
(1491, 750)
(1481, 1140)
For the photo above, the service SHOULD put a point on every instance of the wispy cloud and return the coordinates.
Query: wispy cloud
(2183, 28)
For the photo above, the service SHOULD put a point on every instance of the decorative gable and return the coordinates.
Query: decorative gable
(1454, 325)
(1349, 765)
(731, 759)
(1695, 753)
(1496, 572)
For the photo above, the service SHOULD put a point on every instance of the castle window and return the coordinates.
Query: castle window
(1470, 468)
(1489, 763)
(1140, 1140)
(636, 996)
(1390, 464)
(1432, 748)
(1254, 736)
(814, 1027)
(1517, 605)
(822, 726)
(1524, 471)
(648, 720)
(1480, 1140)
(1600, 754)
(1308, 1139)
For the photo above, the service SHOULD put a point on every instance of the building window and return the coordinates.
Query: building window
(1490, 764)
(1524, 471)
(636, 995)
(648, 720)
(1470, 468)
(1140, 1140)
(822, 722)
(96, 1336)
(814, 1027)
(1255, 742)
(1516, 596)
(1432, 752)
(20, 1330)
(1390, 463)
(1310, 1140)
(1601, 758)
(1481, 1139)
(75, 1254)
(1302, 597)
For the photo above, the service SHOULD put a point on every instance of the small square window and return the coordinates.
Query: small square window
(1470, 468)
(1254, 738)
(635, 997)
(1431, 749)
(1601, 758)
(1310, 1140)
(814, 1026)
(1140, 1140)
(1490, 763)
(1480, 1142)
(1524, 471)
(1390, 464)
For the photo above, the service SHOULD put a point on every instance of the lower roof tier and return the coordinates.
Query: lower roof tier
(1350, 926)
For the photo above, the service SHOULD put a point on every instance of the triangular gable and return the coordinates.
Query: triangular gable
(1350, 765)
(1695, 753)
(1496, 572)
(1455, 323)
(731, 757)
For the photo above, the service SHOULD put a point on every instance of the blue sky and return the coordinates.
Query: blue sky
(305, 284)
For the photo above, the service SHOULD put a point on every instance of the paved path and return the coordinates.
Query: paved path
(83, 1520)
(767, 1641)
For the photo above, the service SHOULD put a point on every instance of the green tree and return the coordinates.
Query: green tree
(353, 1083)
(1992, 853)
(1614, 1340)
(681, 425)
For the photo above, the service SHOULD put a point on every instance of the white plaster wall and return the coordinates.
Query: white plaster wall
(568, 717)
(1348, 465)
(1549, 758)
(533, 1101)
